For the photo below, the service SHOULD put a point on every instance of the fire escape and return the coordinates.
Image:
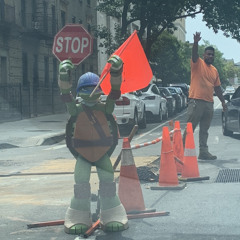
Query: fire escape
(39, 24)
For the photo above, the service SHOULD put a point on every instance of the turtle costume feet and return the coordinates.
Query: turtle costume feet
(78, 217)
(77, 222)
(114, 219)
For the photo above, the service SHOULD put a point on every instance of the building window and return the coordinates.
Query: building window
(23, 12)
(2, 10)
(3, 70)
(34, 7)
(55, 73)
(46, 71)
(83, 68)
(91, 68)
(73, 19)
(35, 72)
(25, 69)
(89, 28)
(89, 3)
(63, 18)
(45, 17)
(54, 24)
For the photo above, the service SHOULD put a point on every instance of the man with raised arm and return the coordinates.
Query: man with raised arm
(204, 81)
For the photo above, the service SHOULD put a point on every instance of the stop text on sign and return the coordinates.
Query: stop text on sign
(71, 44)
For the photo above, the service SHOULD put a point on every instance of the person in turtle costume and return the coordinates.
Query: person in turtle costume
(91, 138)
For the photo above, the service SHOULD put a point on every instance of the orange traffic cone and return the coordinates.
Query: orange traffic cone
(170, 127)
(178, 149)
(168, 178)
(190, 171)
(129, 189)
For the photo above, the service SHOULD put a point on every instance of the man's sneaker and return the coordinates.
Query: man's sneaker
(206, 156)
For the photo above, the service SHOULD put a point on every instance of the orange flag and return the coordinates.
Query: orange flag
(137, 72)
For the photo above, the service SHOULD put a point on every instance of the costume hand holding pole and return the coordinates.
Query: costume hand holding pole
(65, 74)
(116, 69)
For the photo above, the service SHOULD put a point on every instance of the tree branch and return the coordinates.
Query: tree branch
(188, 15)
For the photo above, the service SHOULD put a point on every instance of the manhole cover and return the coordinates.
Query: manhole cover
(228, 176)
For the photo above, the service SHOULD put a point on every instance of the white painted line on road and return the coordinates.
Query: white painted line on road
(185, 112)
(54, 148)
(217, 106)
(146, 133)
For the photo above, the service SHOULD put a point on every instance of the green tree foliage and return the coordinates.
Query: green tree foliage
(156, 16)
(170, 60)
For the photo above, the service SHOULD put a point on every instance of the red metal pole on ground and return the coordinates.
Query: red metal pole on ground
(46, 224)
(130, 137)
(96, 224)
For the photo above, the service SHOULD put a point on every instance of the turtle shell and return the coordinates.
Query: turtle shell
(83, 139)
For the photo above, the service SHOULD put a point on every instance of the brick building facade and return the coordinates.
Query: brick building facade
(28, 69)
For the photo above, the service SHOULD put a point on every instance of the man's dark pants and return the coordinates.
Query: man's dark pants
(200, 112)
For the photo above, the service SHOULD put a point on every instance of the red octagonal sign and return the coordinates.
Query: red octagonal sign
(72, 42)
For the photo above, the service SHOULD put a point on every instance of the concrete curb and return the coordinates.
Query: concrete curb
(47, 139)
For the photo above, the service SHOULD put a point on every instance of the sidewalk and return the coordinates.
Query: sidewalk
(33, 131)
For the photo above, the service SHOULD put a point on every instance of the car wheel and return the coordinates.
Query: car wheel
(143, 122)
(135, 118)
(159, 116)
(225, 131)
(166, 115)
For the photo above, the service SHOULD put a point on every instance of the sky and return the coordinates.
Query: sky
(229, 47)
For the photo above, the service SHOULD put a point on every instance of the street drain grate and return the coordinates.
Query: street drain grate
(228, 176)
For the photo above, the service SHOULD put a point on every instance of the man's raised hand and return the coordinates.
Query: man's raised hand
(197, 37)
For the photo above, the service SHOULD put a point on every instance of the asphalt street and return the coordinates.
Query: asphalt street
(206, 210)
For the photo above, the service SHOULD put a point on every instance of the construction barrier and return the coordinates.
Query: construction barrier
(178, 148)
(129, 189)
(168, 178)
(157, 140)
(174, 160)
(190, 171)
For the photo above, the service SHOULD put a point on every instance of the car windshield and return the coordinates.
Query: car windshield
(236, 93)
(172, 90)
(145, 89)
(230, 88)
(165, 91)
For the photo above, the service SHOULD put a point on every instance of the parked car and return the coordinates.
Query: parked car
(229, 90)
(231, 117)
(183, 86)
(179, 101)
(129, 110)
(171, 101)
(183, 96)
(156, 105)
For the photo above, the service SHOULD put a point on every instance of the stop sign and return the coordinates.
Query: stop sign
(72, 42)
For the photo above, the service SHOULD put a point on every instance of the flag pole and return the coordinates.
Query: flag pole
(100, 81)
(103, 77)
